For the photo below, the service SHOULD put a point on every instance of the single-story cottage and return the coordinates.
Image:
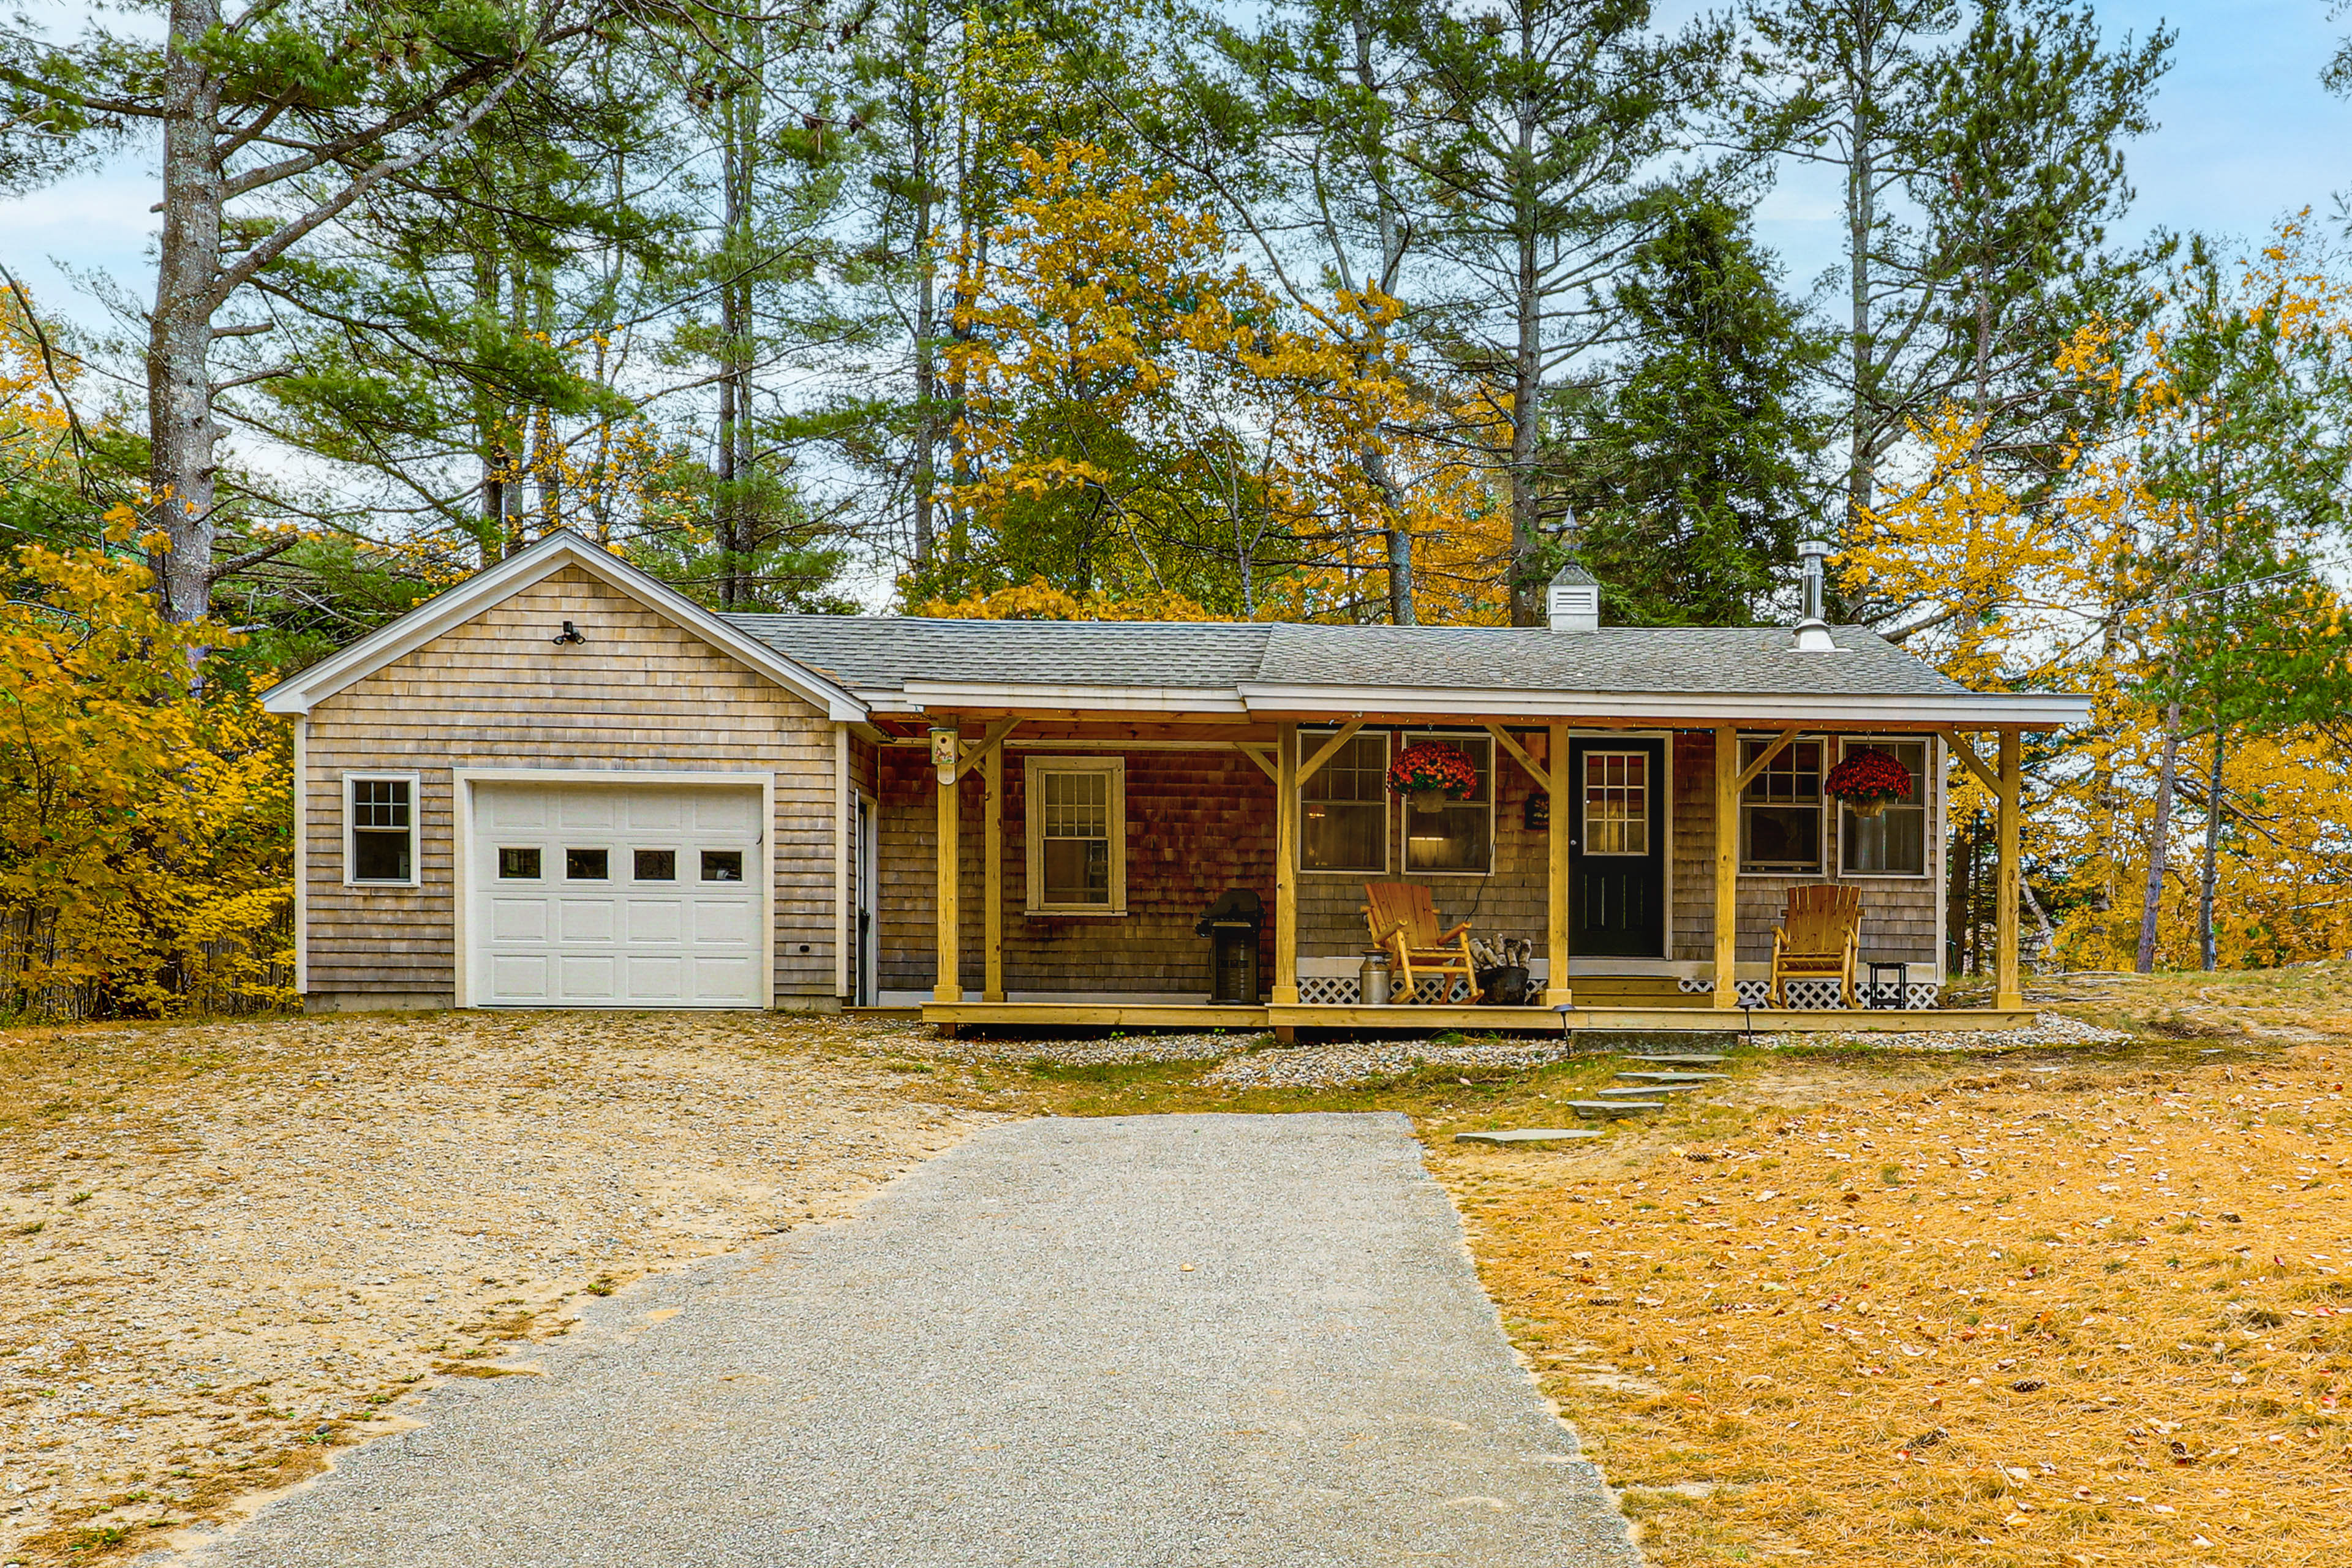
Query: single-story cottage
(560, 784)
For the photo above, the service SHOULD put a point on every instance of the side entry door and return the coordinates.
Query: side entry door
(1620, 799)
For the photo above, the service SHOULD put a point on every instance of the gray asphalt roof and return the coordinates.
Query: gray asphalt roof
(877, 652)
(871, 652)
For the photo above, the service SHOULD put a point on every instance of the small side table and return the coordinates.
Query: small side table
(1875, 994)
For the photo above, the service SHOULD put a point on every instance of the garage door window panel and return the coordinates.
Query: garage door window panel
(656, 865)
(723, 865)
(520, 864)
(379, 830)
(587, 864)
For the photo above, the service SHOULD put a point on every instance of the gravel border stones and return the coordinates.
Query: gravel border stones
(1217, 1341)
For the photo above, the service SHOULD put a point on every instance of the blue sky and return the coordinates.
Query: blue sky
(2247, 135)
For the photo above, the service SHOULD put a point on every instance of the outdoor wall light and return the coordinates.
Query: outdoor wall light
(569, 634)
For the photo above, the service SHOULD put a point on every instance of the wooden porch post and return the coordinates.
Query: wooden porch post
(991, 914)
(948, 987)
(1286, 867)
(1556, 992)
(2006, 993)
(1727, 865)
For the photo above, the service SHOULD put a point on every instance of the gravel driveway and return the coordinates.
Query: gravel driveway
(1196, 1340)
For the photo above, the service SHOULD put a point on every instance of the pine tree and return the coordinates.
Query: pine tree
(1690, 475)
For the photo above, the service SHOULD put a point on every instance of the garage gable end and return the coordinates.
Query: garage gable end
(517, 574)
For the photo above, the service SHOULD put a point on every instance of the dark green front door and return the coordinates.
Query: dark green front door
(1619, 796)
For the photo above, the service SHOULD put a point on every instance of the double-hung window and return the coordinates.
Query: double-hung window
(1780, 810)
(1343, 810)
(1458, 837)
(1075, 811)
(379, 829)
(1895, 842)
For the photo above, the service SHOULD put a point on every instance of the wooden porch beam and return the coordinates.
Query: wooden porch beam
(948, 932)
(1263, 756)
(1314, 764)
(1557, 993)
(1747, 775)
(2006, 991)
(971, 754)
(1285, 992)
(1518, 753)
(992, 880)
(1727, 865)
(1970, 761)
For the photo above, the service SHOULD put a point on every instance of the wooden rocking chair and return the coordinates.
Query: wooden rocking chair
(1818, 938)
(1404, 923)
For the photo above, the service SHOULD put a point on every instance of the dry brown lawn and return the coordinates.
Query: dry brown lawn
(1874, 1310)
(225, 1247)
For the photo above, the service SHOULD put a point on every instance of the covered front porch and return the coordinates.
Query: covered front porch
(1636, 933)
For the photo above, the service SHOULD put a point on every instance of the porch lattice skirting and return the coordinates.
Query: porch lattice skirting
(1804, 996)
(1347, 990)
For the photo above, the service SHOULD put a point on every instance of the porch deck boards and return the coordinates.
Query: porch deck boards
(1501, 1020)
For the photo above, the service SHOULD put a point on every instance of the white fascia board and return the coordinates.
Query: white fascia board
(2038, 711)
(1129, 699)
(452, 607)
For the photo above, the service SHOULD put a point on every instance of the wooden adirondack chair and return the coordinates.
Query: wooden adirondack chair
(1404, 923)
(1818, 938)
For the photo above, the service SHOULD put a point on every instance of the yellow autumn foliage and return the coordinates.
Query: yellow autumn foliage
(145, 815)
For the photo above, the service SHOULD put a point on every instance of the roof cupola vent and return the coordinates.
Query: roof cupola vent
(1812, 628)
(1572, 604)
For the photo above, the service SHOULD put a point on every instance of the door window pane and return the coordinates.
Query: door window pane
(657, 865)
(587, 864)
(1343, 819)
(1780, 809)
(519, 863)
(1895, 842)
(1616, 802)
(723, 865)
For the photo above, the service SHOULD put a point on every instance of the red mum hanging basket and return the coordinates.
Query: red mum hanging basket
(1868, 781)
(1431, 773)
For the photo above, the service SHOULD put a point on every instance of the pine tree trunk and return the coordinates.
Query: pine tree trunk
(183, 438)
(1862, 220)
(2208, 952)
(2159, 834)
(1399, 538)
(1527, 375)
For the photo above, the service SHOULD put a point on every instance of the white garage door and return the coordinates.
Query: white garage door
(616, 896)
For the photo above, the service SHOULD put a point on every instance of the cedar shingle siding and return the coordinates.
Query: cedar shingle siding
(495, 692)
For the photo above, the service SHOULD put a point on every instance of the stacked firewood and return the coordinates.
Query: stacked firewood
(1503, 953)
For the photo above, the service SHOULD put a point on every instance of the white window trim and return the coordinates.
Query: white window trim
(1824, 869)
(1926, 783)
(1318, 739)
(1032, 829)
(415, 783)
(1404, 814)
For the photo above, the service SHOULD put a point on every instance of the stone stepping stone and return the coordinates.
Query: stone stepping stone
(1635, 1091)
(1529, 1135)
(1677, 1077)
(1678, 1059)
(1615, 1107)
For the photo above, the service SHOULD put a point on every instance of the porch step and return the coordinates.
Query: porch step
(1615, 1107)
(1679, 1059)
(1677, 1077)
(1507, 1135)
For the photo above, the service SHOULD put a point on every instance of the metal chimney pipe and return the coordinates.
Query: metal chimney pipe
(1812, 628)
